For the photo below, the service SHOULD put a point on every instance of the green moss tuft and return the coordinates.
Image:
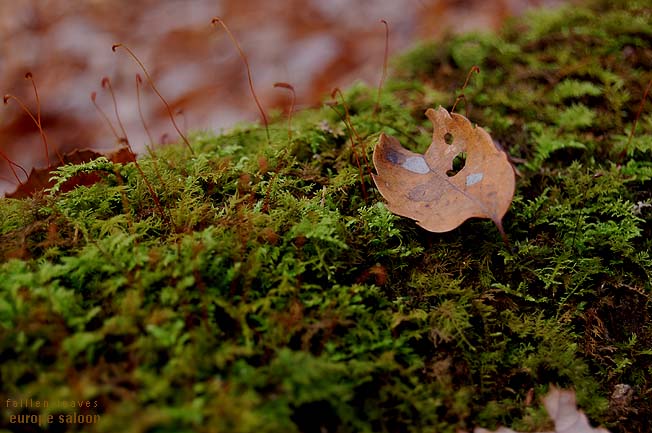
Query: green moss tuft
(275, 293)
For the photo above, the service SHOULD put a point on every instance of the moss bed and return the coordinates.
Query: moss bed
(272, 291)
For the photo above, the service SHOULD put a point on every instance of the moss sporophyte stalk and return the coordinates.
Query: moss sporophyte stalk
(273, 290)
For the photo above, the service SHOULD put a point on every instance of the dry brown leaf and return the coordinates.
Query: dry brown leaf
(562, 409)
(40, 179)
(418, 186)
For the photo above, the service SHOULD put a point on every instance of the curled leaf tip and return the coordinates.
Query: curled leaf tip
(114, 47)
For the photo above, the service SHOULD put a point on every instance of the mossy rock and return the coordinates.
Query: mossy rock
(270, 290)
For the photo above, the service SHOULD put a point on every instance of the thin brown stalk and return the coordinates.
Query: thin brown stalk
(139, 82)
(104, 116)
(24, 107)
(151, 83)
(13, 164)
(182, 114)
(268, 193)
(30, 77)
(638, 115)
(353, 134)
(106, 83)
(217, 20)
(384, 75)
(350, 125)
(461, 96)
(294, 98)
(149, 146)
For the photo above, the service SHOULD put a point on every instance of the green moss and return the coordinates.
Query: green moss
(273, 291)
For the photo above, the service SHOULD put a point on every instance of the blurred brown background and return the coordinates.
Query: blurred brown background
(313, 44)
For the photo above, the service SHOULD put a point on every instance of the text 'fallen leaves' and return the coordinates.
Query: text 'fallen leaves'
(432, 190)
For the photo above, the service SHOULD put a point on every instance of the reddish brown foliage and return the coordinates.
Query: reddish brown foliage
(39, 179)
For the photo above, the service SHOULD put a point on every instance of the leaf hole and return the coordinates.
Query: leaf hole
(448, 138)
(458, 164)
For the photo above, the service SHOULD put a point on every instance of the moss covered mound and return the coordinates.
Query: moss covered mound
(272, 291)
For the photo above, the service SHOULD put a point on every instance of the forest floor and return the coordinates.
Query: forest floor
(246, 283)
(312, 44)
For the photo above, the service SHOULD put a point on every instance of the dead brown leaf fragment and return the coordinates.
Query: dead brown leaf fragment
(41, 178)
(562, 409)
(426, 187)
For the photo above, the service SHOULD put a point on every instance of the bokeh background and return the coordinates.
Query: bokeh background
(315, 45)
